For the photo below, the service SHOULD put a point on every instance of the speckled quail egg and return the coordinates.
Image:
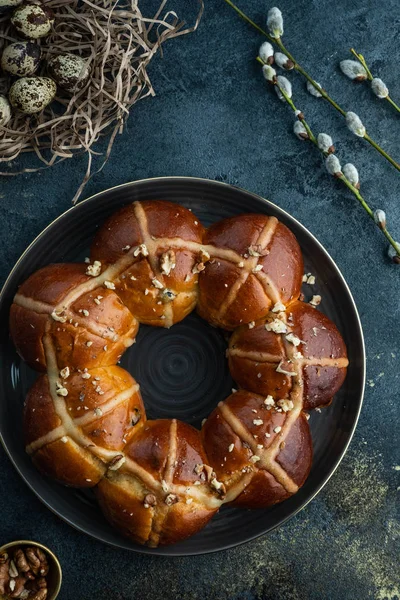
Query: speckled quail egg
(21, 58)
(6, 5)
(32, 21)
(70, 72)
(5, 111)
(32, 94)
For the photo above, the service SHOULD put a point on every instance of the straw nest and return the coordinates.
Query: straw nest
(118, 43)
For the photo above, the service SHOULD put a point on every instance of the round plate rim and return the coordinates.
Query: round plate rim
(171, 551)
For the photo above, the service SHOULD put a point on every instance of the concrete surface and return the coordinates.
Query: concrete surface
(214, 117)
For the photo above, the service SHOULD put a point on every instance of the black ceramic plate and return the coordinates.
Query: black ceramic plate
(183, 371)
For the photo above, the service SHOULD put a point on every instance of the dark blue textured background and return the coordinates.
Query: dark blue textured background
(214, 117)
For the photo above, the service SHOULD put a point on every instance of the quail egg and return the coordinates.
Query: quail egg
(69, 71)
(32, 21)
(5, 111)
(6, 5)
(21, 58)
(32, 94)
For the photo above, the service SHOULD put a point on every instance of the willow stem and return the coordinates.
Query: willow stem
(342, 177)
(300, 69)
(303, 72)
(362, 60)
(381, 151)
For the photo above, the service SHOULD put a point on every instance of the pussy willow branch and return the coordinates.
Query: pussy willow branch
(340, 175)
(303, 72)
(362, 60)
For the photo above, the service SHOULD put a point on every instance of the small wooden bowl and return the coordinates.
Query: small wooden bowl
(54, 578)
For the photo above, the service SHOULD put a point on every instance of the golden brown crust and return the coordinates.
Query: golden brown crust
(104, 409)
(52, 283)
(160, 495)
(85, 425)
(254, 356)
(266, 266)
(158, 286)
(92, 330)
(240, 437)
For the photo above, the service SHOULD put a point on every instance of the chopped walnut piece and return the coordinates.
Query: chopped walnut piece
(98, 412)
(240, 264)
(285, 404)
(198, 268)
(277, 429)
(109, 285)
(64, 439)
(231, 447)
(253, 251)
(94, 269)
(149, 500)
(64, 373)
(257, 250)
(293, 339)
(189, 500)
(252, 324)
(278, 307)
(258, 421)
(218, 486)
(61, 391)
(255, 458)
(311, 280)
(171, 499)
(86, 375)
(204, 256)
(277, 326)
(315, 300)
(88, 344)
(281, 369)
(157, 284)
(141, 249)
(269, 401)
(205, 470)
(257, 268)
(167, 262)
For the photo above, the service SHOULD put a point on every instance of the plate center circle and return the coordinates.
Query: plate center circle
(183, 371)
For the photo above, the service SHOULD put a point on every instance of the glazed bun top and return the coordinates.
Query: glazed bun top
(255, 263)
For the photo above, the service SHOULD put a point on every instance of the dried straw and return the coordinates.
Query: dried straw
(118, 42)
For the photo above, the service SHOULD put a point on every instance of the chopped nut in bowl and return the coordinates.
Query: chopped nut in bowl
(29, 570)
